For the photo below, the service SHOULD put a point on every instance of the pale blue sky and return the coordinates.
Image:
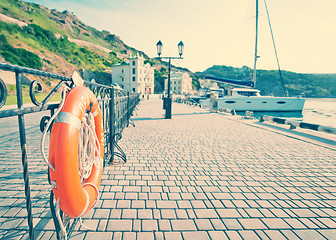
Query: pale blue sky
(219, 32)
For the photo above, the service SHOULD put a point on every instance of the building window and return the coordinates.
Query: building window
(133, 63)
(133, 79)
(133, 70)
(133, 89)
(122, 79)
(122, 70)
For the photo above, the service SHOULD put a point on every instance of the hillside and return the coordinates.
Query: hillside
(34, 36)
(268, 81)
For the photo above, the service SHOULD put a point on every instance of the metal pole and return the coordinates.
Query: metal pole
(24, 154)
(254, 78)
(169, 100)
(112, 124)
(128, 108)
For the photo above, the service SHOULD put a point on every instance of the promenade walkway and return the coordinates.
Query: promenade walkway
(199, 175)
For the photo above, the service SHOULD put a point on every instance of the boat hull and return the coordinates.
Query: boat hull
(260, 103)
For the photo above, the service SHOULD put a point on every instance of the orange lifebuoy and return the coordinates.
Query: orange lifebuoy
(75, 198)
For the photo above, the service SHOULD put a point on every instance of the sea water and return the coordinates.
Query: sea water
(321, 111)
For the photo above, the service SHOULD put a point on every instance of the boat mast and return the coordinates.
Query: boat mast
(254, 78)
(275, 51)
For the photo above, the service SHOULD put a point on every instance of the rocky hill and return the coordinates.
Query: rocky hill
(34, 36)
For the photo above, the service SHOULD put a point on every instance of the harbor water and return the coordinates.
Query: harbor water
(320, 111)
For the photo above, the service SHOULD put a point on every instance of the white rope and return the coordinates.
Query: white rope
(88, 147)
(47, 127)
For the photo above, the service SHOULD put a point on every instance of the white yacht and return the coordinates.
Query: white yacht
(245, 99)
(249, 99)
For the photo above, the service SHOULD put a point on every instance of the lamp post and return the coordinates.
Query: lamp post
(167, 102)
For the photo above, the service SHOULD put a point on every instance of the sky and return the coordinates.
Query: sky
(219, 32)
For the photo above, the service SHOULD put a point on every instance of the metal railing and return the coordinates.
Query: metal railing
(116, 105)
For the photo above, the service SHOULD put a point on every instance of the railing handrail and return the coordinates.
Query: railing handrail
(19, 69)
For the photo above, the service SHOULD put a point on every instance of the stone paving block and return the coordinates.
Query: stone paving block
(173, 236)
(275, 223)
(101, 213)
(217, 235)
(318, 223)
(168, 214)
(328, 222)
(166, 204)
(183, 225)
(181, 213)
(99, 235)
(119, 225)
(128, 236)
(248, 235)
(261, 234)
(145, 213)
(138, 204)
(184, 204)
(205, 213)
(115, 213)
(150, 204)
(149, 225)
(164, 225)
(195, 235)
(309, 234)
(228, 213)
(329, 234)
(102, 225)
(110, 204)
(145, 236)
(308, 223)
(295, 223)
(198, 204)
(252, 223)
(289, 234)
(203, 224)
(129, 214)
(232, 224)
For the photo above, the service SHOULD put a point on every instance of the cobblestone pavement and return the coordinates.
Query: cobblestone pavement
(199, 175)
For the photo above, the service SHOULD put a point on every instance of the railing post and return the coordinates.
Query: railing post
(128, 108)
(24, 154)
(112, 123)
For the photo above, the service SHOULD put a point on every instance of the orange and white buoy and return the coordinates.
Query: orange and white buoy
(76, 196)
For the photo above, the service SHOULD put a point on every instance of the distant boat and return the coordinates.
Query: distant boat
(249, 99)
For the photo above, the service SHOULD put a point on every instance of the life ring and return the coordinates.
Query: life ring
(75, 198)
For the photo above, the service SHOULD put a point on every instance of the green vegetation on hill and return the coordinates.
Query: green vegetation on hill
(268, 81)
(44, 40)
(55, 36)
(18, 56)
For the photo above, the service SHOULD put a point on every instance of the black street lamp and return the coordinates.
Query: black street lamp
(167, 101)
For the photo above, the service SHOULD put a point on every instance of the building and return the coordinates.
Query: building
(134, 76)
(180, 83)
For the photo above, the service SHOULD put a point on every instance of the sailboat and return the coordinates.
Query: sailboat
(249, 99)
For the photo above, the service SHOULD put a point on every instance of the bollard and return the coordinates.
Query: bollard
(214, 102)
